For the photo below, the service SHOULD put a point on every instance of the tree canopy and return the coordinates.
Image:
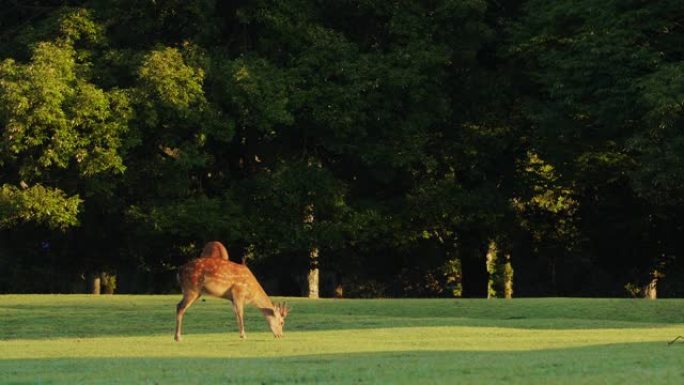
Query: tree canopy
(407, 148)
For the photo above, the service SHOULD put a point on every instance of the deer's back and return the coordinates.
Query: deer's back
(215, 276)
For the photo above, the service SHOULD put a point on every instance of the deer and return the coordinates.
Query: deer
(223, 278)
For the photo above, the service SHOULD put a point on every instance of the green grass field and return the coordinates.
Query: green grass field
(73, 339)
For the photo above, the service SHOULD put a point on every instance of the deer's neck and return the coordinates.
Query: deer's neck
(266, 307)
(257, 295)
(261, 300)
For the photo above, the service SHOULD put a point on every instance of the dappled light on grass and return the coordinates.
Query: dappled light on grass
(437, 338)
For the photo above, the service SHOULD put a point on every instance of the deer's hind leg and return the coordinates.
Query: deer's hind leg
(188, 298)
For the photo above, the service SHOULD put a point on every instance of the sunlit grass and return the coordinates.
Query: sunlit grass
(129, 340)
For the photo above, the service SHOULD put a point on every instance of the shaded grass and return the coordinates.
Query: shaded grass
(51, 316)
(608, 364)
(128, 339)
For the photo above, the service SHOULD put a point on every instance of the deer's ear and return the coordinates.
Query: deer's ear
(270, 312)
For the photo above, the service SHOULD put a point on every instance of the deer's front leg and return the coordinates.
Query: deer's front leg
(239, 310)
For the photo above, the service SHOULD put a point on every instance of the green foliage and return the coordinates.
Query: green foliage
(658, 176)
(395, 137)
(108, 282)
(193, 218)
(253, 92)
(54, 119)
(453, 272)
(278, 206)
(49, 112)
(80, 26)
(167, 78)
(605, 78)
(38, 204)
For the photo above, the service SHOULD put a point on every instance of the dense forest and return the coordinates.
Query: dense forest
(354, 148)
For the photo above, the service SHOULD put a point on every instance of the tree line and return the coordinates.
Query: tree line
(350, 148)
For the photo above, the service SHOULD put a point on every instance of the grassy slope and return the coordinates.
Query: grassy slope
(128, 340)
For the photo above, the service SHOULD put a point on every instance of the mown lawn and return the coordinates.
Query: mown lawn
(73, 339)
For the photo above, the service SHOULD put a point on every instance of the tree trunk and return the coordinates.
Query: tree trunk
(650, 291)
(313, 275)
(500, 269)
(474, 272)
(554, 278)
(508, 277)
(491, 260)
(95, 284)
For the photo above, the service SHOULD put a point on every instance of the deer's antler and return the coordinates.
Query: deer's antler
(283, 309)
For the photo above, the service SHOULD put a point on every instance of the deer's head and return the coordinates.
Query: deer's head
(277, 320)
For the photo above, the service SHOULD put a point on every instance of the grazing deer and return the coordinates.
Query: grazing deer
(214, 249)
(225, 279)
